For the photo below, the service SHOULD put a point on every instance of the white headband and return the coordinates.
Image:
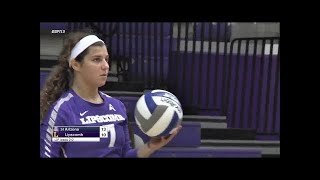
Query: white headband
(83, 44)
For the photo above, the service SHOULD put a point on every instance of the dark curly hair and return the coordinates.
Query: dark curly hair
(61, 77)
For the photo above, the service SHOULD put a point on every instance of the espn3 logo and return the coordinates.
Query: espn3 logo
(56, 31)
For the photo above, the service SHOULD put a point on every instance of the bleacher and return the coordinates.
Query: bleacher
(229, 88)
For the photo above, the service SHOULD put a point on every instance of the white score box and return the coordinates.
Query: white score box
(104, 131)
(76, 139)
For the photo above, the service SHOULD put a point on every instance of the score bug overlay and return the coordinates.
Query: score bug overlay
(80, 133)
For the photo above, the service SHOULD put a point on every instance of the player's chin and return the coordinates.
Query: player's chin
(102, 83)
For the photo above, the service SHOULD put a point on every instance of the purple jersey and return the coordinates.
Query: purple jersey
(72, 110)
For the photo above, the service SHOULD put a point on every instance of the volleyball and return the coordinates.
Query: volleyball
(157, 113)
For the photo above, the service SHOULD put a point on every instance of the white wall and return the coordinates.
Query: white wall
(50, 45)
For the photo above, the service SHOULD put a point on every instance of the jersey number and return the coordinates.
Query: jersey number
(105, 133)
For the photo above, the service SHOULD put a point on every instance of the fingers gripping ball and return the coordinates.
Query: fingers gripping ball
(158, 112)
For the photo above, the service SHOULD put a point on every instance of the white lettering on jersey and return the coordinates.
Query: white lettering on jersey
(111, 107)
(102, 118)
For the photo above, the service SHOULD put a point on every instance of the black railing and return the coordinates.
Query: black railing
(196, 54)
(252, 85)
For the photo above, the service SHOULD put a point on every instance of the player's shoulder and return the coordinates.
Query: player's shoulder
(105, 94)
(64, 101)
(110, 98)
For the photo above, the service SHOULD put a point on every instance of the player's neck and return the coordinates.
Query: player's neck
(87, 93)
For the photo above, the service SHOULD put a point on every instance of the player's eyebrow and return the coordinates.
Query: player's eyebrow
(99, 56)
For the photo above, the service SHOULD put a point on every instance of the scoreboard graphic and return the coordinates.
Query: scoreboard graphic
(80, 133)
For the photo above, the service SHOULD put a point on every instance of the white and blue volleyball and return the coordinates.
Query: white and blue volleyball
(158, 112)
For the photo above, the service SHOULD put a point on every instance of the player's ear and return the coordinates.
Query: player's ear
(75, 65)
